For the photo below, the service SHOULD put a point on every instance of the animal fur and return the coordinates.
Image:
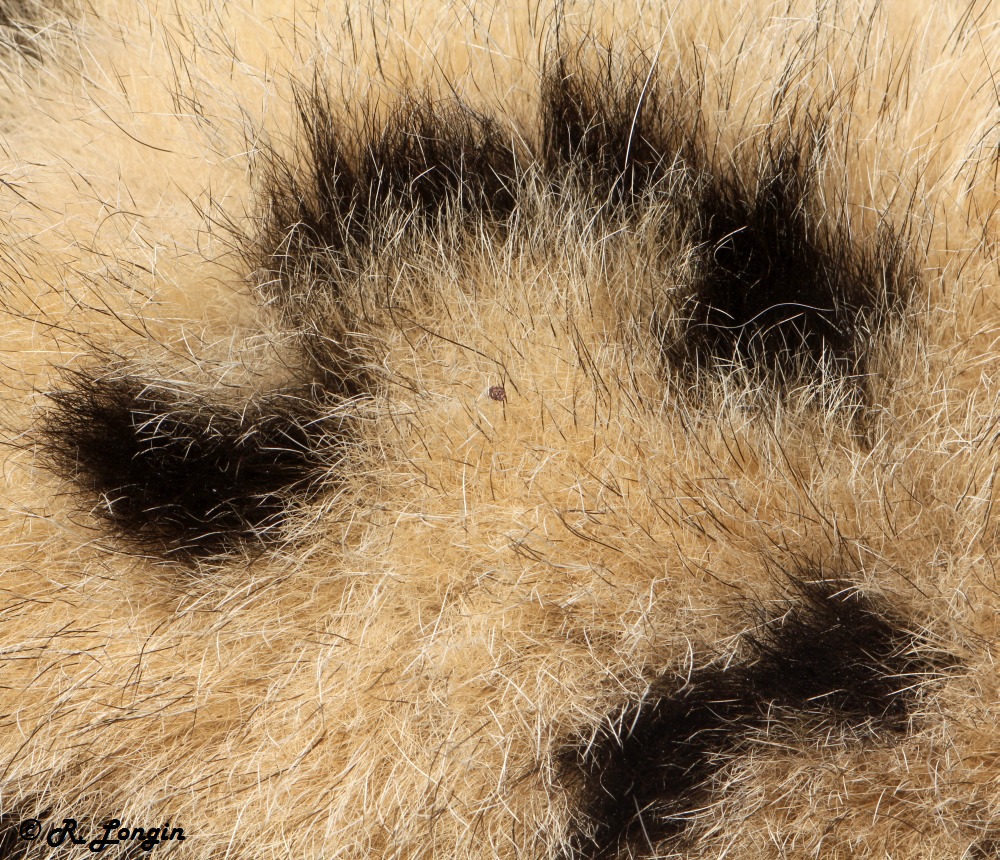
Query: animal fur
(480, 432)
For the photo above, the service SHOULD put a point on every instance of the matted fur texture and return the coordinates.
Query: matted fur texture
(459, 431)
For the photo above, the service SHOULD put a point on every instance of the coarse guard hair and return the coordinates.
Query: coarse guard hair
(478, 431)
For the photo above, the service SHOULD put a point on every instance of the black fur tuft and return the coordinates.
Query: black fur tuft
(351, 196)
(778, 286)
(839, 654)
(182, 475)
(835, 657)
(620, 132)
(353, 187)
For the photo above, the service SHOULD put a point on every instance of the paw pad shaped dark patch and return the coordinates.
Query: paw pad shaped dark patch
(179, 475)
(835, 659)
(777, 286)
(771, 284)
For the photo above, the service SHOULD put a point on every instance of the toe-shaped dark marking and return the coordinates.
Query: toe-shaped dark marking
(778, 285)
(834, 657)
(180, 474)
(619, 132)
(351, 184)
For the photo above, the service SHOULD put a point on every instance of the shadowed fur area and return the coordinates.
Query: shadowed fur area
(181, 474)
(12, 846)
(835, 659)
(24, 25)
(14, 13)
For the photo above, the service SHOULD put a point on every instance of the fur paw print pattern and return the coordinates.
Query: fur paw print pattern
(464, 432)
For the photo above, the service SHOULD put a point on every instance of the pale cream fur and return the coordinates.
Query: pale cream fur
(488, 577)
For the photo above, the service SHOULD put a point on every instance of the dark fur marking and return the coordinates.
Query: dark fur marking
(352, 186)
(620, 133)
(183, 475)
(12, 846)
(778, 287)
(835, 657)
(985, 848)
(352, 194)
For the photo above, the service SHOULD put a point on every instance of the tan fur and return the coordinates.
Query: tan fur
(490, 576)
